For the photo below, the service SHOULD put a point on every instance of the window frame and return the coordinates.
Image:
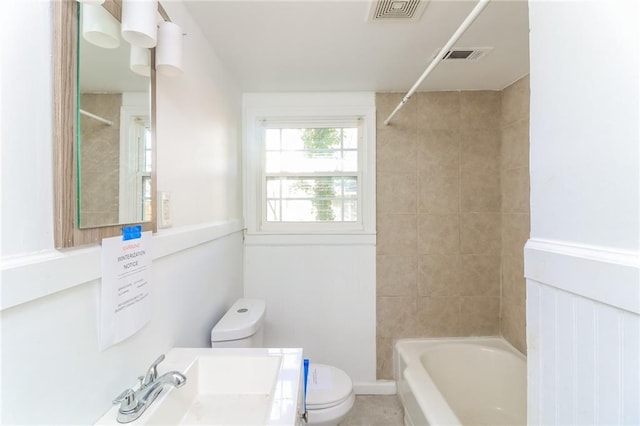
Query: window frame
(307, 111)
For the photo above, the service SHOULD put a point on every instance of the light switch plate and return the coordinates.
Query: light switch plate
(164, 201)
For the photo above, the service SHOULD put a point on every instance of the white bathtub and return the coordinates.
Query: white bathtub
(461, 381)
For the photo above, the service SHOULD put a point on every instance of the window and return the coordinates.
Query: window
(311, 173)
(309, 167)
(136, 156)
(143, 130)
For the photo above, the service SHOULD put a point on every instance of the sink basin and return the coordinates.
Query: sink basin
(228, 387)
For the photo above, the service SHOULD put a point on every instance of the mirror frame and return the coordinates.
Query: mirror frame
(65, 116)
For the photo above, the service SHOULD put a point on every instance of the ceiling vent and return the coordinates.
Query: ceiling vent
(397, 10)
(464, 53)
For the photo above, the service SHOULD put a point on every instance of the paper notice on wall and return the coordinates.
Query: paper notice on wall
(125, 302)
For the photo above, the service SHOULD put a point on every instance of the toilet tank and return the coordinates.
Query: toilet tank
(241, 326)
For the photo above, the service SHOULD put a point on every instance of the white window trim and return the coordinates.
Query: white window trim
(287, 107)
(130, 175)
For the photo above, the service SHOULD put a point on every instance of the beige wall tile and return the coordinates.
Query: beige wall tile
(438, 151)
(513, 282)
(480, 190)
(480, 275)
(446, 157)
(439, 275)
(100, 160)
(515, 233)
(397, 275)
(515, 145)
(515, 101)
(480, 148)
(439, 316)
(438, 110)
(515, 205)
(396, 150)
(480, 233)
(480, 316)
(513, 324)
(480, 110)
(403, 120)
(438, 234)
(384, 356)
(397, 317)
(396, 192)
(439, 193)
(515, 190)
(397, 234)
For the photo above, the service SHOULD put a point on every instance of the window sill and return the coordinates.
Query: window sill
(326, 239)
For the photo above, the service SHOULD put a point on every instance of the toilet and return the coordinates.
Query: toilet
(329, 390)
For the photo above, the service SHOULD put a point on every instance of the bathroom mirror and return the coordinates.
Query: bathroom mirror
(104, 134)
(114, 130)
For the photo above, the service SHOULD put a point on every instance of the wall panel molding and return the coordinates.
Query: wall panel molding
(35, 275)
(598, 273)
(583, 360)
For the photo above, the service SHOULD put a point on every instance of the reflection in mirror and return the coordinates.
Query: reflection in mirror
(114, 151)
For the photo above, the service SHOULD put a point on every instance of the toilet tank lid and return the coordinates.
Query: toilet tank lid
(243, 319)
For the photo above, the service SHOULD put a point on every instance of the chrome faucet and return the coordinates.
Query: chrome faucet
(134, 403)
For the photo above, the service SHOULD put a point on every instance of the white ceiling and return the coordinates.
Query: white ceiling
(107, 70)
(329, 45)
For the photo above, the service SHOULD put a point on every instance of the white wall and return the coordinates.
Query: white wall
(52, 371)
(320, 298)
(585, 159)
(199, 148)
(582, 263)
(26, 127)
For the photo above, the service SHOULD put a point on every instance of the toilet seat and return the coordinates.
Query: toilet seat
(327, 387)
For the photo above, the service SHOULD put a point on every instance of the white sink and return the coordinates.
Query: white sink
(227, 387)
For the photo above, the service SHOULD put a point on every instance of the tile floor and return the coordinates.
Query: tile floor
(375, 410)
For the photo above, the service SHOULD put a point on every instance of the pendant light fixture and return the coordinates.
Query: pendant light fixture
(140, 60)
(169, 49)
(139, 22)
(99, 27)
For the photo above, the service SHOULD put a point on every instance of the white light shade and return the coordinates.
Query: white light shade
(140, 60)
(139, 22)
(169, 49)
(90, 1)
(99, 27)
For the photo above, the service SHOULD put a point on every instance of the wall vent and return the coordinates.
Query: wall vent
(463, 53)
(396, 10)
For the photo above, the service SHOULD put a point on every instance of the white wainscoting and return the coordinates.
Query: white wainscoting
(583, 335)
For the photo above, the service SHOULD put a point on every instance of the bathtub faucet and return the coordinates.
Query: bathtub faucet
(134, 403)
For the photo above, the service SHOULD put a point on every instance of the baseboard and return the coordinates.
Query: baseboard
(379, 387)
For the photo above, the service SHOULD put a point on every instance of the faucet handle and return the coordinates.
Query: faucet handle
(152, 372)
(127, 400)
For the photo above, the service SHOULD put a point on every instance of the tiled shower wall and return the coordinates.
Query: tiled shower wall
(439, 211)
(515, 209)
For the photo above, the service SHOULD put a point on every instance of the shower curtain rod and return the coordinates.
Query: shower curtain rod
(96, 117)
(454, 38)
